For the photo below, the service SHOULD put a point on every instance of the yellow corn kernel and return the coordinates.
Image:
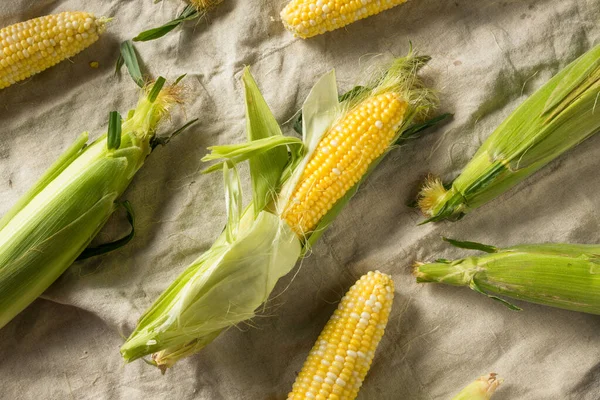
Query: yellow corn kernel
(343, 157)
(335, 368)
(307, 18)
(32, 46)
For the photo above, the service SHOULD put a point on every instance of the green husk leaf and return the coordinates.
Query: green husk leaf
(471, 245)
(113, 138)
(117, 244)
(189, 13)
(233, 200)
(349, 95)
(266, 168)
(129, 57)
(52, 172)
(238, 153)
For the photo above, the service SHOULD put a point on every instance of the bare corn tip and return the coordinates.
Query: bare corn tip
(430, 194)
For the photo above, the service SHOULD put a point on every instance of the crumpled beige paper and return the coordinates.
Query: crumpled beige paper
(488, 55)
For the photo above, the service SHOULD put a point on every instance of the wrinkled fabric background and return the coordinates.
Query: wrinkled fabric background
(488, 55)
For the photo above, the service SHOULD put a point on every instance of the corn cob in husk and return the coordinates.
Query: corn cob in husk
(558, 275)
(341, 358)
(557, 117)
(482, 389)
(53, 223)
(342, 143)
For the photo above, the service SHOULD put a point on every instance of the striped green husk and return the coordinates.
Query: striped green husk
(53, 223)
(557, 117)
(559, 275)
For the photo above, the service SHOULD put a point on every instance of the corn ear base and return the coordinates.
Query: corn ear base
(556, 118)
(558, 275)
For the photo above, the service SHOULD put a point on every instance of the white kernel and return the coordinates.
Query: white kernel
(361, 354)
(339, 358)
(309, 395)
(326, 8)
(317, 378)
(364, 322)
(336, 171)
(331, 375)
(334, 143)
(378, 305)
(319, 3)
(354, 315)
(340, 382)
(325, 149)
(312, 22)
(379, 124)
(365, 315)
(329, 381)
(351, 353)
(325, 362)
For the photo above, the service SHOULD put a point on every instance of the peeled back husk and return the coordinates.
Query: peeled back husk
(224, 287)
(558, 275)
(53, 223)
(557, 117)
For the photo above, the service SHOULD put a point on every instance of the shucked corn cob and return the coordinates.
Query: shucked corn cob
(343, 157)
(558, 275)
(307, 18)
(294, 200)
(32, 46)
(482, 389)
(53, 223)
(342, 356)
(556, 118)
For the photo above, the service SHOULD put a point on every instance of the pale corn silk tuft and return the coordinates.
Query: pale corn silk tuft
(32, 46)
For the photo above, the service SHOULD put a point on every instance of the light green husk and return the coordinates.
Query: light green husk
(228, 283)
(557, 117)
(482, 389)
(52, 224)
(558, 275)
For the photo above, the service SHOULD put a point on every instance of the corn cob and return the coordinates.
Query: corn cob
(482, 389)
(557, 117)
(558, 275)
(307, 18)
(339, 361)
(343, 157)
(52, 224)
(32, 46)
(228, 283)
